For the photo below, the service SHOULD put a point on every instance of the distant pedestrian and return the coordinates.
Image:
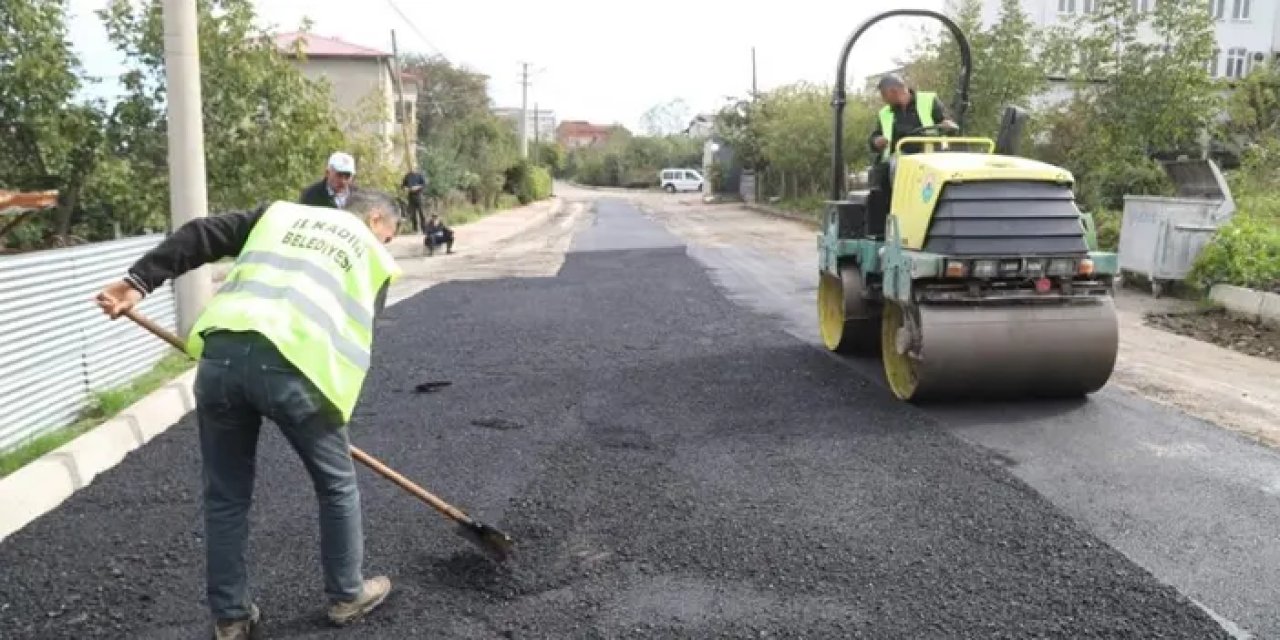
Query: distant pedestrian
(336, 186)
(415, 184)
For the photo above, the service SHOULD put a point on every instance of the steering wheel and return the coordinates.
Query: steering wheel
(934, 129)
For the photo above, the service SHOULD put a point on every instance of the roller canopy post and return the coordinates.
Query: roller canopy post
(839, 98)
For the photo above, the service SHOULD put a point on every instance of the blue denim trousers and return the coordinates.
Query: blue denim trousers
(241, 379)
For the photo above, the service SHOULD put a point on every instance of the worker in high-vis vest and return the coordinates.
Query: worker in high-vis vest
(288, 338)
(904, 111)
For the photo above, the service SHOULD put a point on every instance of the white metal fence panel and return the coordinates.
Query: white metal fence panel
(56, 347)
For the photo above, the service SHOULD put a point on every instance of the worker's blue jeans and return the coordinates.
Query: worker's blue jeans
(241, 379)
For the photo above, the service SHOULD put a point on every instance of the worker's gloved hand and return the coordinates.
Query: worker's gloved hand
(118, 298)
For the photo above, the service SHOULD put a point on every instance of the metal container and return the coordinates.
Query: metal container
(1161, 237)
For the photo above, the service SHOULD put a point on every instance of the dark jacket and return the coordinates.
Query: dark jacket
(317, 195)
(906, 120)
(200, 242)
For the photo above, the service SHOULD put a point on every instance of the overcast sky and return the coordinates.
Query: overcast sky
(591, 63)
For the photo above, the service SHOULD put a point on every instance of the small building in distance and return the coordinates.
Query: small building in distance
(356, 73)
(575, 134)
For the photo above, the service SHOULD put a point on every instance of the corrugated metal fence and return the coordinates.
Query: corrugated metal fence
(56, 347)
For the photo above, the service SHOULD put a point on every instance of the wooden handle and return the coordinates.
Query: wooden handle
(157, 330)
(364, 458)
(409, 486)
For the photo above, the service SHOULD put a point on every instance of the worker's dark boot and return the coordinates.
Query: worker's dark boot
(238, 629)
(375, 591)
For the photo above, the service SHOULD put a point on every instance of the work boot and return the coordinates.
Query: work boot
(243, 629)
(375, 591)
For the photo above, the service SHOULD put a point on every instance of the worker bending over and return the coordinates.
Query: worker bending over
(286, 338)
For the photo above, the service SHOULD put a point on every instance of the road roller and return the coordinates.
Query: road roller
(967, 269)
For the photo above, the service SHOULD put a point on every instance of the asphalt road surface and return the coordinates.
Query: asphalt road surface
(671, 465)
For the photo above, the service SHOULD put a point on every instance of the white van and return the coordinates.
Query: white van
(674, 180)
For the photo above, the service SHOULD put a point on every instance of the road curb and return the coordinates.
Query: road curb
(42, 485)
(1258, 306)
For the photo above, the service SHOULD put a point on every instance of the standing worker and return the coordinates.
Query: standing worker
(415, 183)
(335, 187)
(287, 338)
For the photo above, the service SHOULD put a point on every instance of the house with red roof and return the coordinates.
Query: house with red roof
(357, 74)
(572, 134)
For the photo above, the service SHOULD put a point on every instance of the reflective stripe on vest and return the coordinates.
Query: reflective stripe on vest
(307, 280)
(924, 109)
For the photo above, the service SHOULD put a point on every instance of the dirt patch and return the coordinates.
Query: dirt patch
(1217, 326)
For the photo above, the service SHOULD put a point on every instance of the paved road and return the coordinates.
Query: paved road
(1196, 505)
(672, 466)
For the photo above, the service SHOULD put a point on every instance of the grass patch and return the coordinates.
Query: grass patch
(811, 206)
(470, 213)
(103, 406)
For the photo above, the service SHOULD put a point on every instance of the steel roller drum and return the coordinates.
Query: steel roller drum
(1005, 351)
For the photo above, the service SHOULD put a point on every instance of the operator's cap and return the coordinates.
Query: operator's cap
(342, 163)
(890, 80)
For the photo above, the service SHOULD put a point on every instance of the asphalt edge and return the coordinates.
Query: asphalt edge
(46, 482)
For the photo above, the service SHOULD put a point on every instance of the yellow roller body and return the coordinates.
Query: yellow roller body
(919, 179)
(960, 352)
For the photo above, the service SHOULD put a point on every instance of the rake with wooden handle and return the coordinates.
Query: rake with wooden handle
(493, 542)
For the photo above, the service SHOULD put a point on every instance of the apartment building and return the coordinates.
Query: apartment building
(541, 123)
(1247, 32)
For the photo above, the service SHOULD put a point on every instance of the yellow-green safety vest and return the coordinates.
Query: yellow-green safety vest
(924, 108)
(307, 279)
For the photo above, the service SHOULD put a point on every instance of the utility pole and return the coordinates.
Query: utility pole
(537, 137)
(188, 199)
(754, 90)
(399, 102)
(524, 110)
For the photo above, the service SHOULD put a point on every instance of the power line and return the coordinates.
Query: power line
(414, 28)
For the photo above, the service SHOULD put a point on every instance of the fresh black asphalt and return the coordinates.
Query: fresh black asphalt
(671, 466)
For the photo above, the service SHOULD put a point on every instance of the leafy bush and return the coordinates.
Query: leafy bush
(1107, 222)
(528, 182)
(540, 180)
(1246, 251)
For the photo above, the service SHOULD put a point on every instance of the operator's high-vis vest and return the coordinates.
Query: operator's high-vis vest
(924, 108)
(307, 279)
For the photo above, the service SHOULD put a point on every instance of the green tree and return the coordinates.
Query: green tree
(47, 134)
(267, 127)
(1006, 68)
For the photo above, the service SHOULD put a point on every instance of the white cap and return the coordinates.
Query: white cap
(342, 162)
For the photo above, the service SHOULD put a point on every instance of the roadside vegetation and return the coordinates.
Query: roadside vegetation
(268, 128)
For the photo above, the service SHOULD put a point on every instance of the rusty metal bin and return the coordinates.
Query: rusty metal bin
(1161, 237)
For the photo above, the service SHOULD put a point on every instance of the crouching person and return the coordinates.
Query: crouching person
(436, 234)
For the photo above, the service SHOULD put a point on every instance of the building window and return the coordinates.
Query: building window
(1217, 9)
(1066, 6)
(1240, 10)
(1213, 63)
(1236, 60)
(1142, 6)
